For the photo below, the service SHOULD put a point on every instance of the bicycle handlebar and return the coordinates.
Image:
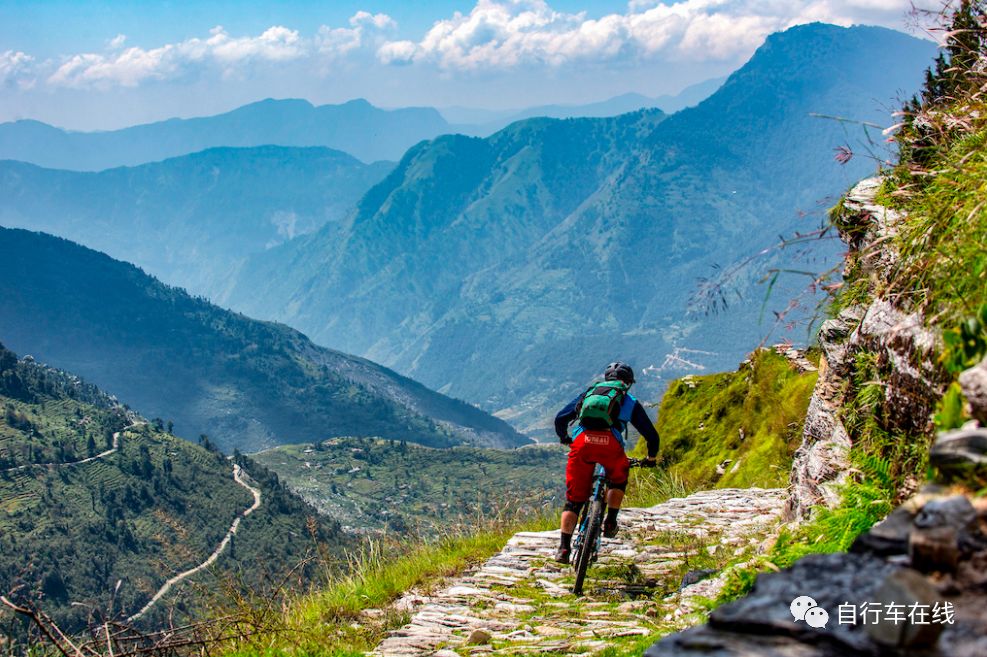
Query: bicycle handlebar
(639, 463)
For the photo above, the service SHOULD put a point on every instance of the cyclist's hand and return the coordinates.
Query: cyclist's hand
(567, 440)
(649, 462)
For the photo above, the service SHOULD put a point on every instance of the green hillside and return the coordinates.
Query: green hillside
(192, 220)
(408, 489)
(553, 247)
(735, 429)
(246, 384)
(80, 511)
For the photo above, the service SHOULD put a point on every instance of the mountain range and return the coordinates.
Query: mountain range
(508, 270)
(356, 127)
(191, 220)
(98, 506)
(481, 123)
(246, 384)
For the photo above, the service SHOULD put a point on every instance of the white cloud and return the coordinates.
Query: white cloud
(15, 67)
(494, 35)
(129, 67)
(366, 30)
(275, 44)
(502, 34)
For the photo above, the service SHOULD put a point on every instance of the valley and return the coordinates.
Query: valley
(552, 245)
(245, 384)
(413, 491)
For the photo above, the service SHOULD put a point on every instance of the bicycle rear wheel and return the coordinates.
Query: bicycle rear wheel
(588, 543)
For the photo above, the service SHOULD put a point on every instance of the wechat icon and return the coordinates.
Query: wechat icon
(804, 608)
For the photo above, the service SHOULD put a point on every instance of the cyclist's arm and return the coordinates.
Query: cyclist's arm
(641, 422)
(564, 417)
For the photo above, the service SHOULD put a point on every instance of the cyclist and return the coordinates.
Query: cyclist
(599, 438)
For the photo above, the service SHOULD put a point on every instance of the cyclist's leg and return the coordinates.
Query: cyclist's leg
(578, 485)
(617, 465)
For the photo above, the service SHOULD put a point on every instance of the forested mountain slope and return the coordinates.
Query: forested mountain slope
(247, 384)
(92, 494)
(190, 220)
(508, 270)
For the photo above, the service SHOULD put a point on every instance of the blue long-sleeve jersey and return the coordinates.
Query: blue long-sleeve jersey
(631, 411)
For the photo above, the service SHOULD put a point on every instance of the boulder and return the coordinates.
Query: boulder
(954, 511)
(888, 537)
(973, 382)
(834, 335)
(905, 586)
(934, 549)
(694, 576)
(961, 456)
(829, 579)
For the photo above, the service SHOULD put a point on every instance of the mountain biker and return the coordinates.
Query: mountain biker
(600, 440)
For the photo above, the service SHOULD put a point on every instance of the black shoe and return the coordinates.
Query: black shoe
(562, 555)
(610, 529)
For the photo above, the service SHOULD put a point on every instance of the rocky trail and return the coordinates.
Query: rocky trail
(519, 601)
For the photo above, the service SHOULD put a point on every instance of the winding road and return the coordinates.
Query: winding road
(163, 591)
(101, 455)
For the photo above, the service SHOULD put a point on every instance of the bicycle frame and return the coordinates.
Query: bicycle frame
(599, 492)
(589, 531)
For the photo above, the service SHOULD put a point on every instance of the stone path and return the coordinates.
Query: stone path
(519, 601)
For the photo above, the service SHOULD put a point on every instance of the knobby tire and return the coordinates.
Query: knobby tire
(588, 544)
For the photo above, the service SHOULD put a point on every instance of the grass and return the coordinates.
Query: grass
(944, 262)
(390, 486)
(331, 621)
(733, 429)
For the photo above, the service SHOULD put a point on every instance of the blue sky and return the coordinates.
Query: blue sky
(104, 64)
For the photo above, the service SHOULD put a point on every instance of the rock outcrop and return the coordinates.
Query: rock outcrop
(916, 582)
(904, 351)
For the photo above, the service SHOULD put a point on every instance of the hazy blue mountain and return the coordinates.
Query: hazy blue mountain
(190, 220)
(145, 506)
(247, 384)
(479, 122)
(509, 270)
(356, 127)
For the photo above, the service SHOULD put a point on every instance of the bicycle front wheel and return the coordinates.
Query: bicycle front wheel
(588, 544)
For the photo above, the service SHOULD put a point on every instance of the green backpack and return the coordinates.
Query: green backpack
(600, 407)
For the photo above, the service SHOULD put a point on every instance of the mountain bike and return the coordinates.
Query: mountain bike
(589, 531)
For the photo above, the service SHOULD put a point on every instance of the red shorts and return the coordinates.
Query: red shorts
(588, 449)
